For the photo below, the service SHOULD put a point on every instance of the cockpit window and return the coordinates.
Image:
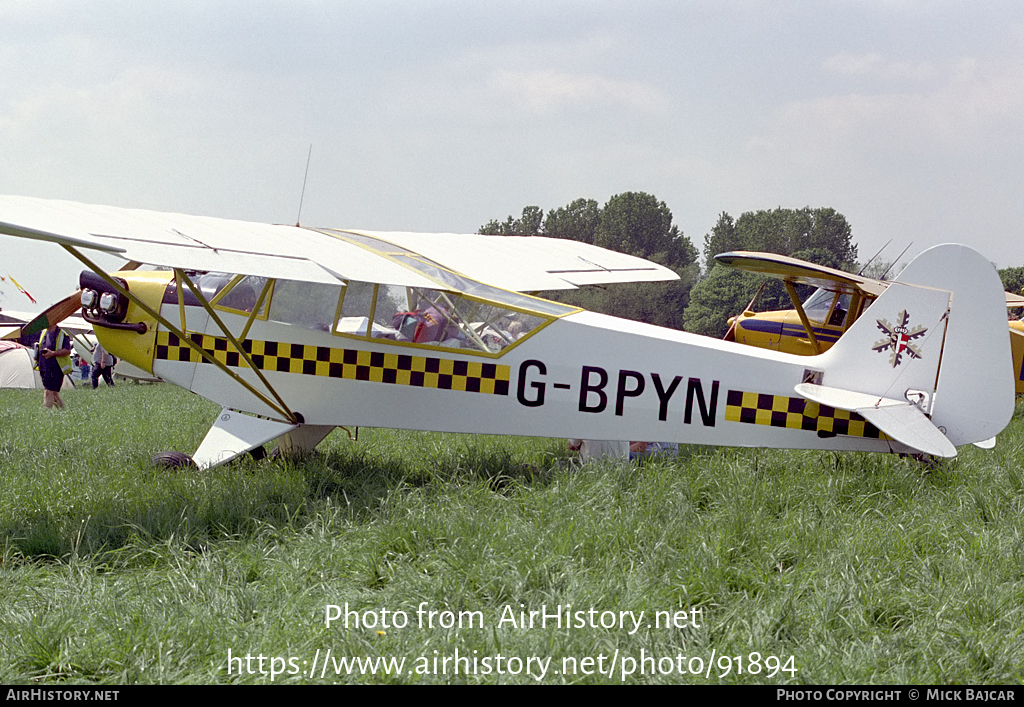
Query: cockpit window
(243, 294)
(840, 311)
(309, 304)
(211, 283)
(460, 313)
(819, 305)
(827, 307)
(356, 309)
(239, 293)
(432, 318)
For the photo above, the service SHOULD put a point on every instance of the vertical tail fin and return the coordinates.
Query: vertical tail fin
(937, 337)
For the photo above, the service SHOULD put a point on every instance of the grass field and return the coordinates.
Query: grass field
(766, 566)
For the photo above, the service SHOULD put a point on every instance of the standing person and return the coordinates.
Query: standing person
(54, 364)
(102, 365)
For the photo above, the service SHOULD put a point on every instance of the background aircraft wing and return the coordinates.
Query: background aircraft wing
(801, 272)
(320, 254)
(804, 273)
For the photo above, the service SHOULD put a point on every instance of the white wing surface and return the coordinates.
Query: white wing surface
(319, 255)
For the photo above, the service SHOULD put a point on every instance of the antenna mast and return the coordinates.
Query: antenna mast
(302, 196)
(865, 267)
(896, 261)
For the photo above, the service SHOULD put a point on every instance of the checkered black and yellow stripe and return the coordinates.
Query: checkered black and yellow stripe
(796, 414)
(373, 366)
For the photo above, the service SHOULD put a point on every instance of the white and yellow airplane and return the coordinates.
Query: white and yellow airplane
(814, 325)
(295, 331)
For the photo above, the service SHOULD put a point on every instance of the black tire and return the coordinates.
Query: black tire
(172, 460)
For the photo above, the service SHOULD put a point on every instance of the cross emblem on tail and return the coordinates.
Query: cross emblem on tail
(898, 339)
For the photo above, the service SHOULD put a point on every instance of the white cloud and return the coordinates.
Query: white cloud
(513, 81)
(119, 101)
(875, 65)
(854, 64)
(972, 106)
(550, 91)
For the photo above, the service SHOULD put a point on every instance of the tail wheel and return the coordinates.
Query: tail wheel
(172, 460)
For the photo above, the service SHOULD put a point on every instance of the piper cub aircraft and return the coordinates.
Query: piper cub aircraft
(295, 331)
(812, 326)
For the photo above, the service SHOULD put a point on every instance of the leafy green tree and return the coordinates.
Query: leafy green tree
(578, 221)
(820, 256)
(786, 232)
(634, 223)
(1013, 279)
(723, 238)
(722, 294)
(829, 230)
(638, 224)
(528, 224)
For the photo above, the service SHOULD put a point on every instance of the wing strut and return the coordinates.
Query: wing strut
(803, 316)
(238, 347)
(732, 327)
(282, 409)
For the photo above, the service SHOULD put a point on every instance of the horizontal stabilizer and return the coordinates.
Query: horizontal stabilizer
(235, 433)
(899, 419)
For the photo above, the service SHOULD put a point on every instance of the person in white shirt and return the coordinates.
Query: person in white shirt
(102, 365)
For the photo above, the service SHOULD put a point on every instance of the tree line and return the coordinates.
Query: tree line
(634, 223)
(701, 301)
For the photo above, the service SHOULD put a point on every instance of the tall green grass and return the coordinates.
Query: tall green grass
(863, 568)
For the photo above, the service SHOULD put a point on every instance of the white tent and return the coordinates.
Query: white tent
(16, 369)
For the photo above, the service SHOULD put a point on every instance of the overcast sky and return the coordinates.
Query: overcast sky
(905, 116)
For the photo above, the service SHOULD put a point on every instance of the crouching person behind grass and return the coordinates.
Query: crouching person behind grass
(642, 452)
(594, 449)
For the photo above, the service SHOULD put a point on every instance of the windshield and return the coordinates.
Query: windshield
(448, 279)
(431, 317)
(818, 305)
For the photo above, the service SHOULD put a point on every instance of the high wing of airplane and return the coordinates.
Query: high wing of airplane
(297, 330)
(815, 324)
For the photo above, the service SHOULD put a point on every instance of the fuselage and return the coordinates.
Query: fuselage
(527, 367)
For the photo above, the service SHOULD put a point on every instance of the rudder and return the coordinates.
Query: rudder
(938, 337)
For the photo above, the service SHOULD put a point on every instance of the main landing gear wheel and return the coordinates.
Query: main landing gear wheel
(173, 460)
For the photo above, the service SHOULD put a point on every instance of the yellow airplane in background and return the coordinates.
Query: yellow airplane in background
(815, 324)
